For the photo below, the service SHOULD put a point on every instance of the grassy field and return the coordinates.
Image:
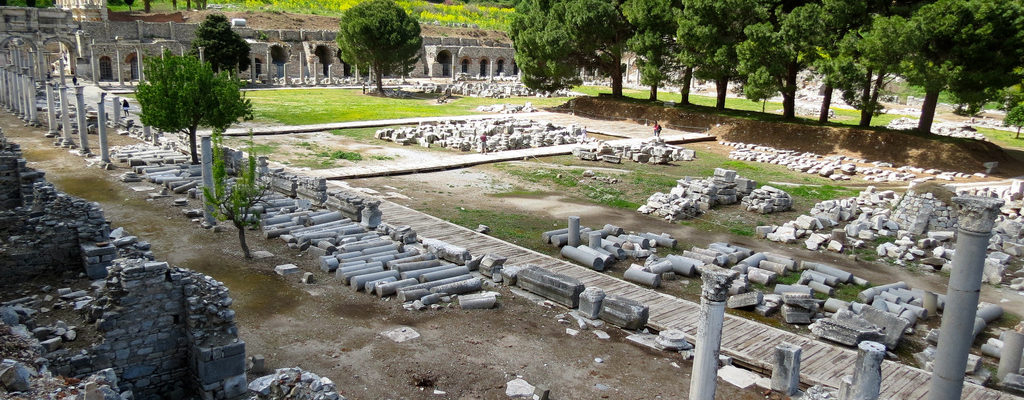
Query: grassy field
(317, 106)
(455, 14)
(739, 107)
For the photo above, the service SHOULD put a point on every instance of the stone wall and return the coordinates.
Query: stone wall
(167, 333)
(922, 211)
(42, 230)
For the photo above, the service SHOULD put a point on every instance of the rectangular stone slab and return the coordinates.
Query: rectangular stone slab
(559, 288)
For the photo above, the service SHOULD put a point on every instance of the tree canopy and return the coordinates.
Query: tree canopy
(380, 35)
(222, 47)
(553, 39)
(709, 32)
(180, 94)
(971, 48)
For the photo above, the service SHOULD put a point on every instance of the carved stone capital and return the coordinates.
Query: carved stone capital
(716, 282)
(977, 214)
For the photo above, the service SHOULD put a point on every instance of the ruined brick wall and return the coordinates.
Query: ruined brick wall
(42, 230)
(920, 212)
(167, 332)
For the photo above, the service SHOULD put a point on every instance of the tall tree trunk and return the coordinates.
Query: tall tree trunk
(789, 91)
(147, 5)
(1018, 133)
(654, 92)
(865, 101)
(188, 4)
(192, 145)
(684, 92)
(722, 87)
(174, 4)
(931, 99)
(617, 78)
(241, 239)
(826, 104)
(380, 80)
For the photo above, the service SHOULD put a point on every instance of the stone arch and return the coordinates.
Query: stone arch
(278, 56)
(465, 66)
(484, 66)
(323, 56)
(499, 67)
(444, 57)
(106, 69)
(132, 60)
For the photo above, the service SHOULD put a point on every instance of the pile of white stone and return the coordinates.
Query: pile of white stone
(502, 134)
(767, 199)
(870, 209)
(494, 90)
(691, 197)
(147, 154)
(1011, 193)
(939, 128)
(293, 383)
(507, 108)
(838, 167)
(649, 152)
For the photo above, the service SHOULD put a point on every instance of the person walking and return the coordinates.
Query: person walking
(483, 143)
(657, 130)
(124, 106)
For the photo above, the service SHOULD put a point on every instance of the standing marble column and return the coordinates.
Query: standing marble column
(65, 120)
(117, 64)
(1009, 356)
(5, 89)
(866, 381)
(207, 150)
(30, 99)
(715, 282)
(51, 113)
(252, 69)
(33, 112)
(101, 127)
(976, 218)
(83, 129)
(138, 61)
(116, 102)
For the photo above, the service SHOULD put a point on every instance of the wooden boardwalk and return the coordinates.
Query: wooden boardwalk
(471, 159)
(750, 343)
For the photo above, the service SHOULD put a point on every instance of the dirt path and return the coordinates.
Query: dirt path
(335, 332)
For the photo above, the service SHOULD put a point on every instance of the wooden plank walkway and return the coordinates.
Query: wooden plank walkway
(471, 159)
(749, 343)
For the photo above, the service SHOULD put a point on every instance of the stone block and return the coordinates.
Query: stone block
(623, 312)
(287, 269)
(590, 302)
(847, 328)
(744, 300)
(559, 288)
(219, 369)
(892, 326)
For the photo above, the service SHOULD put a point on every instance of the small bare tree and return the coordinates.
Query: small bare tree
(235, 201)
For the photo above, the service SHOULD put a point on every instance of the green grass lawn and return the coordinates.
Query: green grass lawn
(318, 106)
(738, 107)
